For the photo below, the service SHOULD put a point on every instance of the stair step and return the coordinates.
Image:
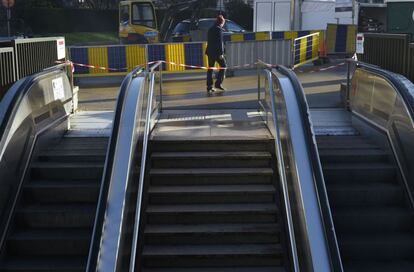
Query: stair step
(218, 269)
(355, 172)
(56, 216)
(49, 242)
(213, 255)
(365, 195)
(211, 194)
(212, 233)
(212, 213)
(373, 219)
(210, 159)
(73, 155)
(61, 170)
(63, 191)
(377, 247)
(210, 145)
(379, 266)
(42, 264)
(198, 176)
(352, 155)
(72, 143)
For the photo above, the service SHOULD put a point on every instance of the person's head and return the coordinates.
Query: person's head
(220, 20)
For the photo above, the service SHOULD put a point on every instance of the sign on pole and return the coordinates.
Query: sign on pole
(360, 43)
(8, 3)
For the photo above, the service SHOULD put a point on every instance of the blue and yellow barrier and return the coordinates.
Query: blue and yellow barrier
(249, 36)
(306, 49)
(123, 58)
(341, 39)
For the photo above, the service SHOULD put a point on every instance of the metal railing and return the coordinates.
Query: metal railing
(7, 69)
(389, 51)
(313, 242)
(114, 240)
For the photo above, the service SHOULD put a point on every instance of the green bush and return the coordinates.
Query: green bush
(241, 13)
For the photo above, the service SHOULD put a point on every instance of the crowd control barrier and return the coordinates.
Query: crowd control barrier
(7, 69)
(305, 49)
(248, 52)
(341, 39)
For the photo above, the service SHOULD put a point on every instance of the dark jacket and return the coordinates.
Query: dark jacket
(215, 46)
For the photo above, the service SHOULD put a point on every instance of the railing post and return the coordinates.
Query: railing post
(160, 109)
(258, 81)
(348, 82)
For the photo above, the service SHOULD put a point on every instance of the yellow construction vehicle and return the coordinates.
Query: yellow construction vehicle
(137, 22)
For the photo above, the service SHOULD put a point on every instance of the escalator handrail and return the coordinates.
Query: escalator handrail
(147, 132)
(330, 234)
(403, 86)
(283, 179)
(106, 178)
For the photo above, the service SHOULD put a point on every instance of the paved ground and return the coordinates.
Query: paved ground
(322, 89)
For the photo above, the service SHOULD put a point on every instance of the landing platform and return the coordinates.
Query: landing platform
(210, 124)
(91, 124)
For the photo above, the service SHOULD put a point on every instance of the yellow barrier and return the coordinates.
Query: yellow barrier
(306, 49)
(341, 39)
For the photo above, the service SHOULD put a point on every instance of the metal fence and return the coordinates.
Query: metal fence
(29, 56)
(410, 73)
(248, 52)
(389, 51)
(7, 69)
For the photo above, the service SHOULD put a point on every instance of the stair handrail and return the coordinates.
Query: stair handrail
(326, 232)
(395, 118)
(148, 127)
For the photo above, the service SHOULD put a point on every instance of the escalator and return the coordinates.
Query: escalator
(365, 155)
(369, 175)
(53, 222)
(50, 178)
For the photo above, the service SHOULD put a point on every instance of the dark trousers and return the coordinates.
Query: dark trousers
(220, 76)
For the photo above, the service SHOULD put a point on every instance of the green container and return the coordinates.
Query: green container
(400, 17)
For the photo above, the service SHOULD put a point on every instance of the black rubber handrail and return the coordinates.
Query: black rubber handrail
(105, 184)
(402, 85)
(335, 256)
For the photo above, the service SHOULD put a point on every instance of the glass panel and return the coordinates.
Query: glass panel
(124, 15)
(143, 14)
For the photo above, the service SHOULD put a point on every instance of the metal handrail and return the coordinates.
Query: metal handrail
(281, 167)
(147, 131)
(315, 168)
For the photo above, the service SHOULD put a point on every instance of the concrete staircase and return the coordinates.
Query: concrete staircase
(53, 222)
(372, 217)
(212, 206)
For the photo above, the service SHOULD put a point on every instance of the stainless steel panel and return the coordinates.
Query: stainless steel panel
(7, 69)
(248, 52)
(42, 105)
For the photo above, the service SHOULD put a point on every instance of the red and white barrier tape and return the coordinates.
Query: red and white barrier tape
(166, 62)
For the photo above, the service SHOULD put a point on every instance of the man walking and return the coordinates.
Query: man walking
(215, 51)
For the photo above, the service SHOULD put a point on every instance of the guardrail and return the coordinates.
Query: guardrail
(7, 69)
(392, 52)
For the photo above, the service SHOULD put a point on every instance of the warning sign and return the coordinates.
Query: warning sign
(360, 43)
(61, 51)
